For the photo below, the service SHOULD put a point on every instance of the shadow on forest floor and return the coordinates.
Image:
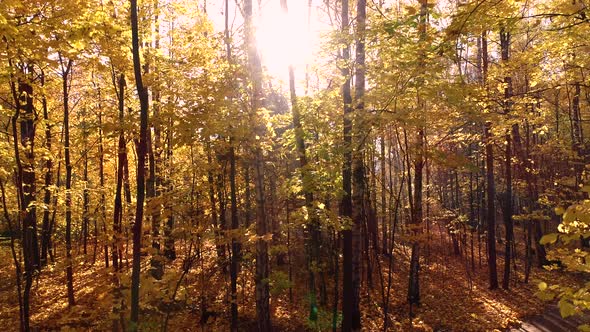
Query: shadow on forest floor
(455, 297)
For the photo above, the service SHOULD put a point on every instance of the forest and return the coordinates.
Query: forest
(293, 165)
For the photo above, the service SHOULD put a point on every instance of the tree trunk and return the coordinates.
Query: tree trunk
(312, 234)
(169, 249)
(215, 221)
(121, 161)
(45, 234)
(141, 154)
(491, 187)
(359, 210)
(25, 174)
(85, 193)
(262, 264)
(348, 310)
(414, 279)
(508, 208)
(66, 70)
(103, 208)
(384, 245)
(235, 224)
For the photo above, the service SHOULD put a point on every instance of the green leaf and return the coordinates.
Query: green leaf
(549, 238)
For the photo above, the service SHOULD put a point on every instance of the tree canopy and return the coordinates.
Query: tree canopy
(293, 165)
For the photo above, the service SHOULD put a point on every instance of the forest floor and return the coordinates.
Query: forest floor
(454, 297)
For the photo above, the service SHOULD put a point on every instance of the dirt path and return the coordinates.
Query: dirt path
(551, 321)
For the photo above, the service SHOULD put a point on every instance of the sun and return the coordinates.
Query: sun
(285, 39)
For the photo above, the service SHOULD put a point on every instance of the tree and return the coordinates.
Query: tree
(235, 244)
(66, 67)
(313, 226)
(262, 266)
(359, 210)
(508, 208)
(491, 188)
(414, 282)
(141, 154)
(25, 174)
(346, 208)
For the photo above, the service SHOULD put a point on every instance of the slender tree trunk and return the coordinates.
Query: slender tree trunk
(248, 196)
(85, 193)
(154, 180)
(472, 222)
(528, 226)
(491, 187)
(235, 244)
(262, 263)
(66, 70)
(25, 176)
(348, 310)
(45, 234)
(235, 224)
(23, 99)
(359, 210)
(157, 268)
(508, 208)
(215, 221)
(121, 161)
(141, 154)
(312, 235)
(414, 279)
(103, 200)
(384, 221)
(576, 120)
(169, 249)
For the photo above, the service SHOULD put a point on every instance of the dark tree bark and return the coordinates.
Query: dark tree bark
(22, 93)
(169, 242)
(247, 195)
(384, 219)
(235, 244)
(360, 208)
(103, 200)
(346, 203)
(262, 263)
(121, 162)
(508, 208)
(45, 232)
(141, 156)
(215, 220)
(414, 278)
(66, 70)
(491, 187)
(154, 180)
(577, 133)
(85, 192)
(235, 224)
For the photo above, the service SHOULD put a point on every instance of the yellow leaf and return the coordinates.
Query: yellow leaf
(542, 286)
(548, 238)
(566, 309)
(559, 210)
